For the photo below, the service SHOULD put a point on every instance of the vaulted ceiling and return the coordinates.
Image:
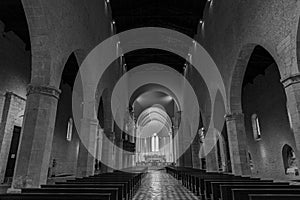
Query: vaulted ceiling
(259, 61)
(13, 16)
(178, 15)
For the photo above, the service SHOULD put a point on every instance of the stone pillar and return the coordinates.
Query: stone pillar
(180, 154)
(177, 148)
(171, 148)
(188, 160)
(182, 151)
(108, 135)
(36, 138)
(209, 150)
(107, 151)
(195, 147)
(144, 147)
(238, 144)
(292, 89)
(212, 160)
(119, 152)
(137, 148)
(87, 147)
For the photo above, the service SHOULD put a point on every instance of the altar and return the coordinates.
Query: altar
(155, 158)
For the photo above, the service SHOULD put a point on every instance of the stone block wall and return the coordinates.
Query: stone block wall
(12, 115)
(63, 151)
(15, 64)
(266, 98)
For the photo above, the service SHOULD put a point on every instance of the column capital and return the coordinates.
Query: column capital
(290, 80)
(44, 90)
(233, 116)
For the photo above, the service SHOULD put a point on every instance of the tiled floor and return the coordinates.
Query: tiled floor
(158, 185)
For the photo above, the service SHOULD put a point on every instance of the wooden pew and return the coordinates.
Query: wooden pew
(204, 178)
(177, 172)
(274, 196)
(190, 179)
(112, 191)
(60, 196)
(124, 183)
(227, 186)
(121, 187)
(108, 186)
(242, 193)
(198, 184)
(214, 185)
(131, 180)
(208, 184)
(134, 179)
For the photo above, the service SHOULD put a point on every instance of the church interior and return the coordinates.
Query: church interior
(149, 99)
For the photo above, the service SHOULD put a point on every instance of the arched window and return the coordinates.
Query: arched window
(155, 143)
(290, 118)
(289, 160)
(70, 129)
(250, 161)
(256, 127)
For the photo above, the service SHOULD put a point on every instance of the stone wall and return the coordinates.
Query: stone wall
(58, 28)
(232, 29)
(266, 98)
(15, 72)
(63, 151)
(14, 63)
(231, 25)
(12, 115)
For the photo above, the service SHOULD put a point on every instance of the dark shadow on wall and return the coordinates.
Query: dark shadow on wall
(263, 95)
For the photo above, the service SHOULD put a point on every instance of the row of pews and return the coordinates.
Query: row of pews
(224, 186)
(117, 185)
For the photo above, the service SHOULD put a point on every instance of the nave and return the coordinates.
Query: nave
(176, 183)
(160, 185)
(214, 97)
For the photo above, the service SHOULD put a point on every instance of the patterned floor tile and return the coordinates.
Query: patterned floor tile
(158, 185)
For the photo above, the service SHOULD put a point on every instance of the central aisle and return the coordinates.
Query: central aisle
(158, 185)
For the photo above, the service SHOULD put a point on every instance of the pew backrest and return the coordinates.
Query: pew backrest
(242, 194)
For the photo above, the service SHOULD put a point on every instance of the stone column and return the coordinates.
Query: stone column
(87, 147)
(175, 147)
(119, 151)
(107, 150)
(181, 141)
(292, 89)
(137, 148)
(186, 143)
(144, 148)
(171, 148)
(188, 160)
(195, 147)
(212, 160)
(36, 138)
(108, 134)
(238, 144)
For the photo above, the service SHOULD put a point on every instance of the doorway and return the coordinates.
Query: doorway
(10, 167)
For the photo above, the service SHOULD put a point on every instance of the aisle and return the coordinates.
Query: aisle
(158, 185)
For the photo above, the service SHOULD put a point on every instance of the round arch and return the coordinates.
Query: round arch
(153, 87)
